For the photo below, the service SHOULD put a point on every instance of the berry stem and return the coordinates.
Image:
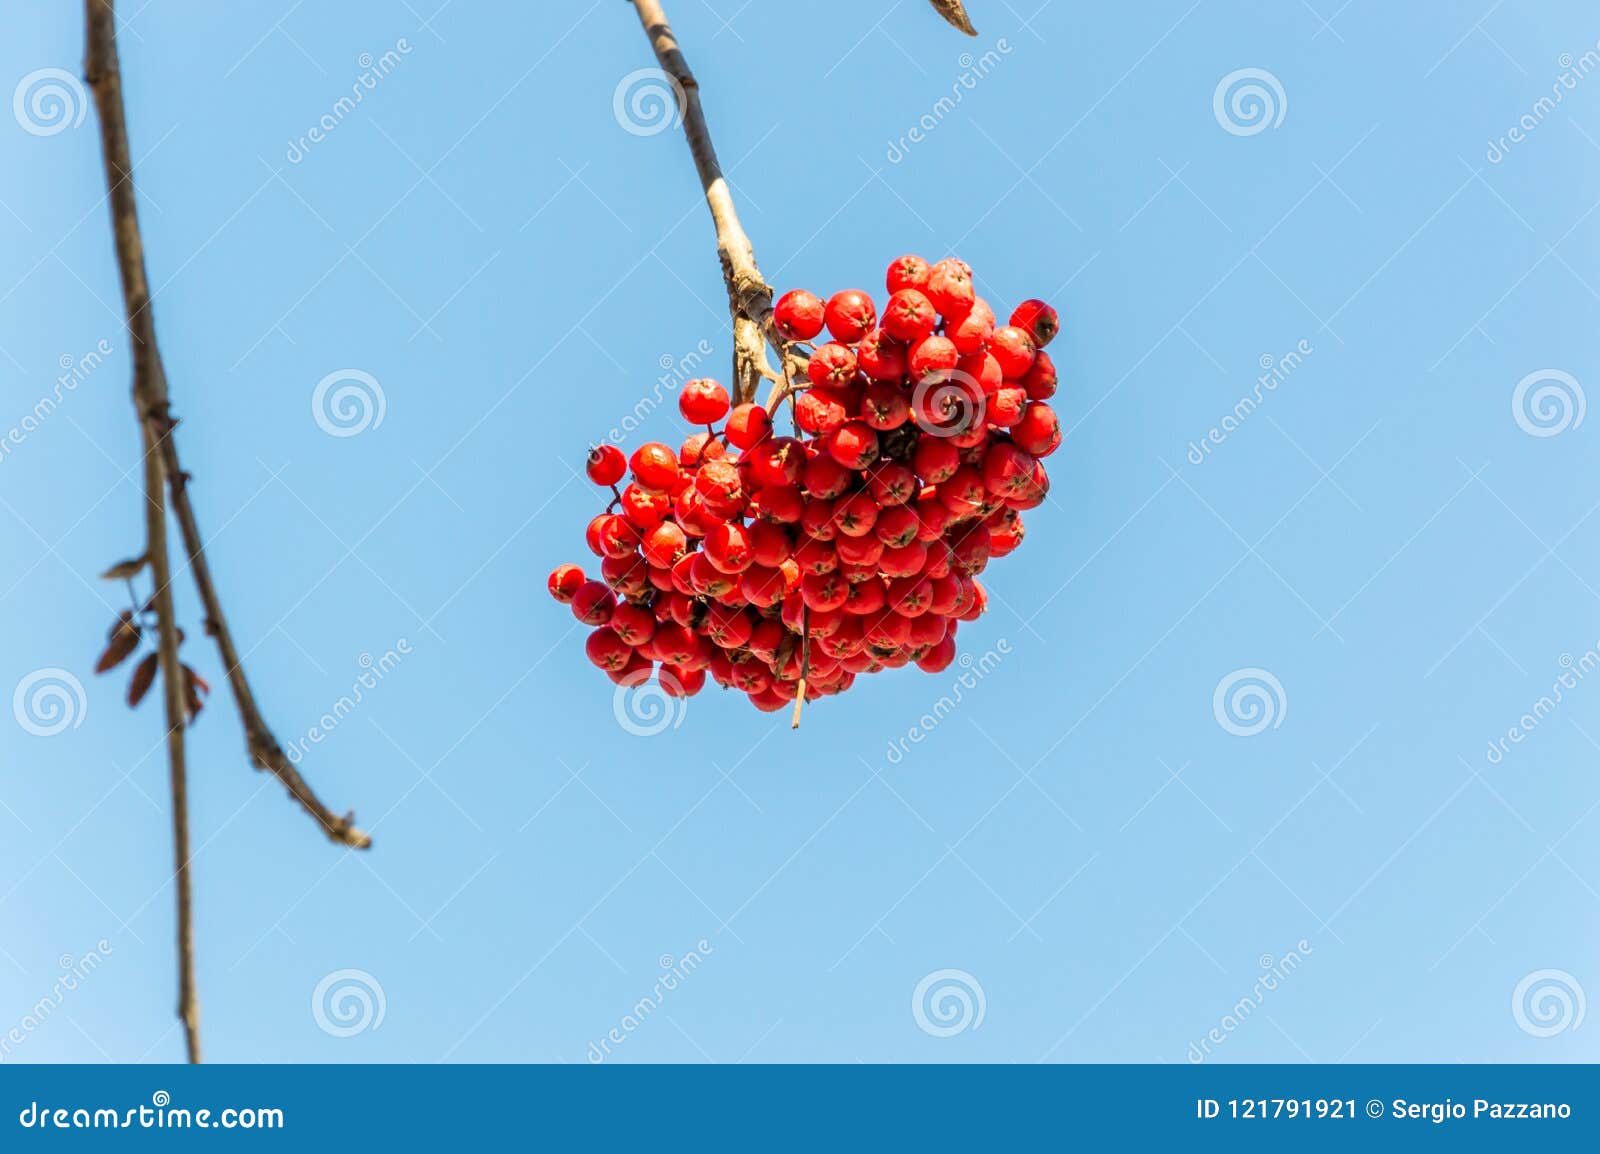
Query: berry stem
(805, 667)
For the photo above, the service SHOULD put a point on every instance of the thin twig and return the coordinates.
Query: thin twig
(749, 295)
(805, 667)
(146, 390)
(172, 685)
(154, 411)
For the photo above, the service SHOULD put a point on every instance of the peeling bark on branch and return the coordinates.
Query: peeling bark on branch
(749, 295)
(956, 13)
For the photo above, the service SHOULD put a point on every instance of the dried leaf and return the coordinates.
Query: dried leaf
(124, 640)
(124, 570)
(144, 676)
(194, 690)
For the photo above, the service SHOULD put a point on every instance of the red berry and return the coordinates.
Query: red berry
(982, 371)
(776, 461)
(933, 359)
(950, 288)
(907, 272)
(727, 627)
(892, 483)
(832, 364)
(634, 624)
(1039, 432)
(606, 465)
(644, 508)
(1040, 379)
(1008, 471)
(607, 650)
(1038, 320)
(617, 538)
(938, 658)
(1007, 405)
(719, 481)
(1014, 349)
(854, 445)
(935, 458)
(820, 410)
(909, 315)
(698, 448)
(849, 314)
(655, 466)
(815, 555)
(564, 582)
(885, 405)
(825, 591)
(593, 602)
(770, 543)
(728, 547)
(762, 586)
(859, 558)
(703, 402)
(663, 544)
(747, 426)
(881, 357)
(677, 681)
(798, 315)
(973, 332)
(780, 503)
(853, 516)
(824, 477)
(896, 526)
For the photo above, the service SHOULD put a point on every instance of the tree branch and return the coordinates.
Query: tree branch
(173, 680)
(956, 13)
(749, 295)
(153, 405)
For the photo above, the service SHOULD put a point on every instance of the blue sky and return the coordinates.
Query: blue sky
(1396, 542)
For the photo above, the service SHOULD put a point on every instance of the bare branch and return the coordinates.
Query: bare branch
(749, 295)
(956, 13)
(153, 405)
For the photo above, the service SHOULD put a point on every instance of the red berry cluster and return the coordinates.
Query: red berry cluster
(783, 565)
